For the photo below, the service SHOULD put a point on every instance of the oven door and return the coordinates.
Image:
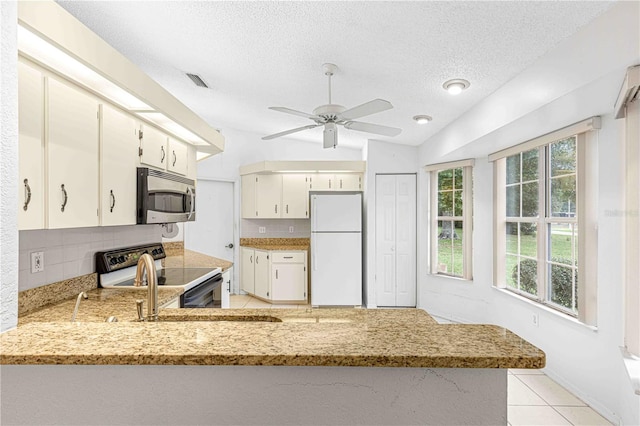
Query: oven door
(204, 295)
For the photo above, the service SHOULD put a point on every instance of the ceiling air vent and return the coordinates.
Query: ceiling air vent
(197, 80)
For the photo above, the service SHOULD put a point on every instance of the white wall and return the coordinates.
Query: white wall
(583, 359)
(382, 158)
(8, 166)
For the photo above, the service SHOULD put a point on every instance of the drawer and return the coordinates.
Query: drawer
(288, 257)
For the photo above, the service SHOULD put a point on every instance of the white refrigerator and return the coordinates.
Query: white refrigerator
(336, 249)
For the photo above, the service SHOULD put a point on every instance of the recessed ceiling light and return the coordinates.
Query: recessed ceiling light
(455, 86)
(422, 119)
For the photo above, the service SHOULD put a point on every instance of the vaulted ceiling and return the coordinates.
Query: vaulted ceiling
(253, 55)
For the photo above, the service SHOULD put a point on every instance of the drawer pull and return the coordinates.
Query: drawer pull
(113, 201)
(288, 257)
(64, 202)
(163, 154)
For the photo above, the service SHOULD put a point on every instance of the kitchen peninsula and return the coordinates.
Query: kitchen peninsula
(275, 366)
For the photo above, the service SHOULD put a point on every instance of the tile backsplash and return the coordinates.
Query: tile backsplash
(275, 228)
(69, 253)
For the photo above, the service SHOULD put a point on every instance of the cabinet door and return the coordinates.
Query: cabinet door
(154, 147)
(177, 161)
(249, 197)
(295, 196)
(322, 182)
(72, 157)
(226, 287)
(288, 281)
(247, 282)
(118, 152)
(262, 274)
(348, 182)
(269, 196)
(30, 148)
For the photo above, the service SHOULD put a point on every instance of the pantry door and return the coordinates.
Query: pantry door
(396, 240)
(213, 230)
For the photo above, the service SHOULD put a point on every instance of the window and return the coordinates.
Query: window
(544, 195)
(451, 206)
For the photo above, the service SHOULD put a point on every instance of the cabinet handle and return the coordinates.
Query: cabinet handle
(256, 259)
(113, 201)
(229, 286)
(163, 154)
(27, 195)
(287, 207)
(174, 158)
(250, 259)
(276, 208)
(340, 183)
(329, 183)
(66, 197)
(288, 257)
(276, 274)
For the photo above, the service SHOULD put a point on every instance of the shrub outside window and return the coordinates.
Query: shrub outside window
(451, 205)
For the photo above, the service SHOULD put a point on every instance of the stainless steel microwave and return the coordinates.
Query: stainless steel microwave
(164, 197)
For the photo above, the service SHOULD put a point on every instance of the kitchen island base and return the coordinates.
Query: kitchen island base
(251, 395)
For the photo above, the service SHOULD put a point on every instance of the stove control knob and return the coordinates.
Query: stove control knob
(113, 261)
(120, 259)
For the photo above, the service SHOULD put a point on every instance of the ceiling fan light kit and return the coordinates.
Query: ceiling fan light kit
(456, 86)
(331, 115)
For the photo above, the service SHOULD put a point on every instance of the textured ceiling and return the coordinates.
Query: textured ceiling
(259, 54)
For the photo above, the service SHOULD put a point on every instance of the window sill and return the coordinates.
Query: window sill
(632, 365)
(451, 277)
(547, 309)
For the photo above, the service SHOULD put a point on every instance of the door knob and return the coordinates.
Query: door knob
(230, 245)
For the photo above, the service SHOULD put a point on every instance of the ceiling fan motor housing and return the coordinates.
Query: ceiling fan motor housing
(329, 112)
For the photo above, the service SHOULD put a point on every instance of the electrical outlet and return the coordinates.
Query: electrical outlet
(535, 320)
(262, 229)
(291, 229)
(37, 262)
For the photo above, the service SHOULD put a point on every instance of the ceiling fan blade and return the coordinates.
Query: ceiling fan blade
(294, 112)
(288, 132)
(368, 108)
(372, 128)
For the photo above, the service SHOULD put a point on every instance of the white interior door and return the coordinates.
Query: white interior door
(213, 229)
(396, 240)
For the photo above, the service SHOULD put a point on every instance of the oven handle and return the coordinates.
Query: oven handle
(200, 290)
(191, 206)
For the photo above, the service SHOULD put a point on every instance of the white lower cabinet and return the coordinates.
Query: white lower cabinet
(262, 275)
(247, 273)
(225, 289)
(289, 276)
(277, 276)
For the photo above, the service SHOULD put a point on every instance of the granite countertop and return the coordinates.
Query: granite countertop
(101, 304)
(276, 243)
(192, 259)
(286, 337)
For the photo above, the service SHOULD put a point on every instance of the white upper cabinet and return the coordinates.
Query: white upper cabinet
(118, 152)
(295, 196)
(153, 144)
(178, 157)
(249, 197)
(348, 182)
(322, 182)
(72, 157)
(268, 196)
(31, 148)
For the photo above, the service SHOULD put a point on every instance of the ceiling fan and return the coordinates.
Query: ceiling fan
(331, 115)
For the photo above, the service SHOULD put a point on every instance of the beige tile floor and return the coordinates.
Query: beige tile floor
(533, 398)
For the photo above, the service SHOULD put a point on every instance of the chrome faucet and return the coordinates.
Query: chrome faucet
(146, 262)
(81, 296)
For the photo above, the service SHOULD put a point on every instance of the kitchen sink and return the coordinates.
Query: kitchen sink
(240, 318)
